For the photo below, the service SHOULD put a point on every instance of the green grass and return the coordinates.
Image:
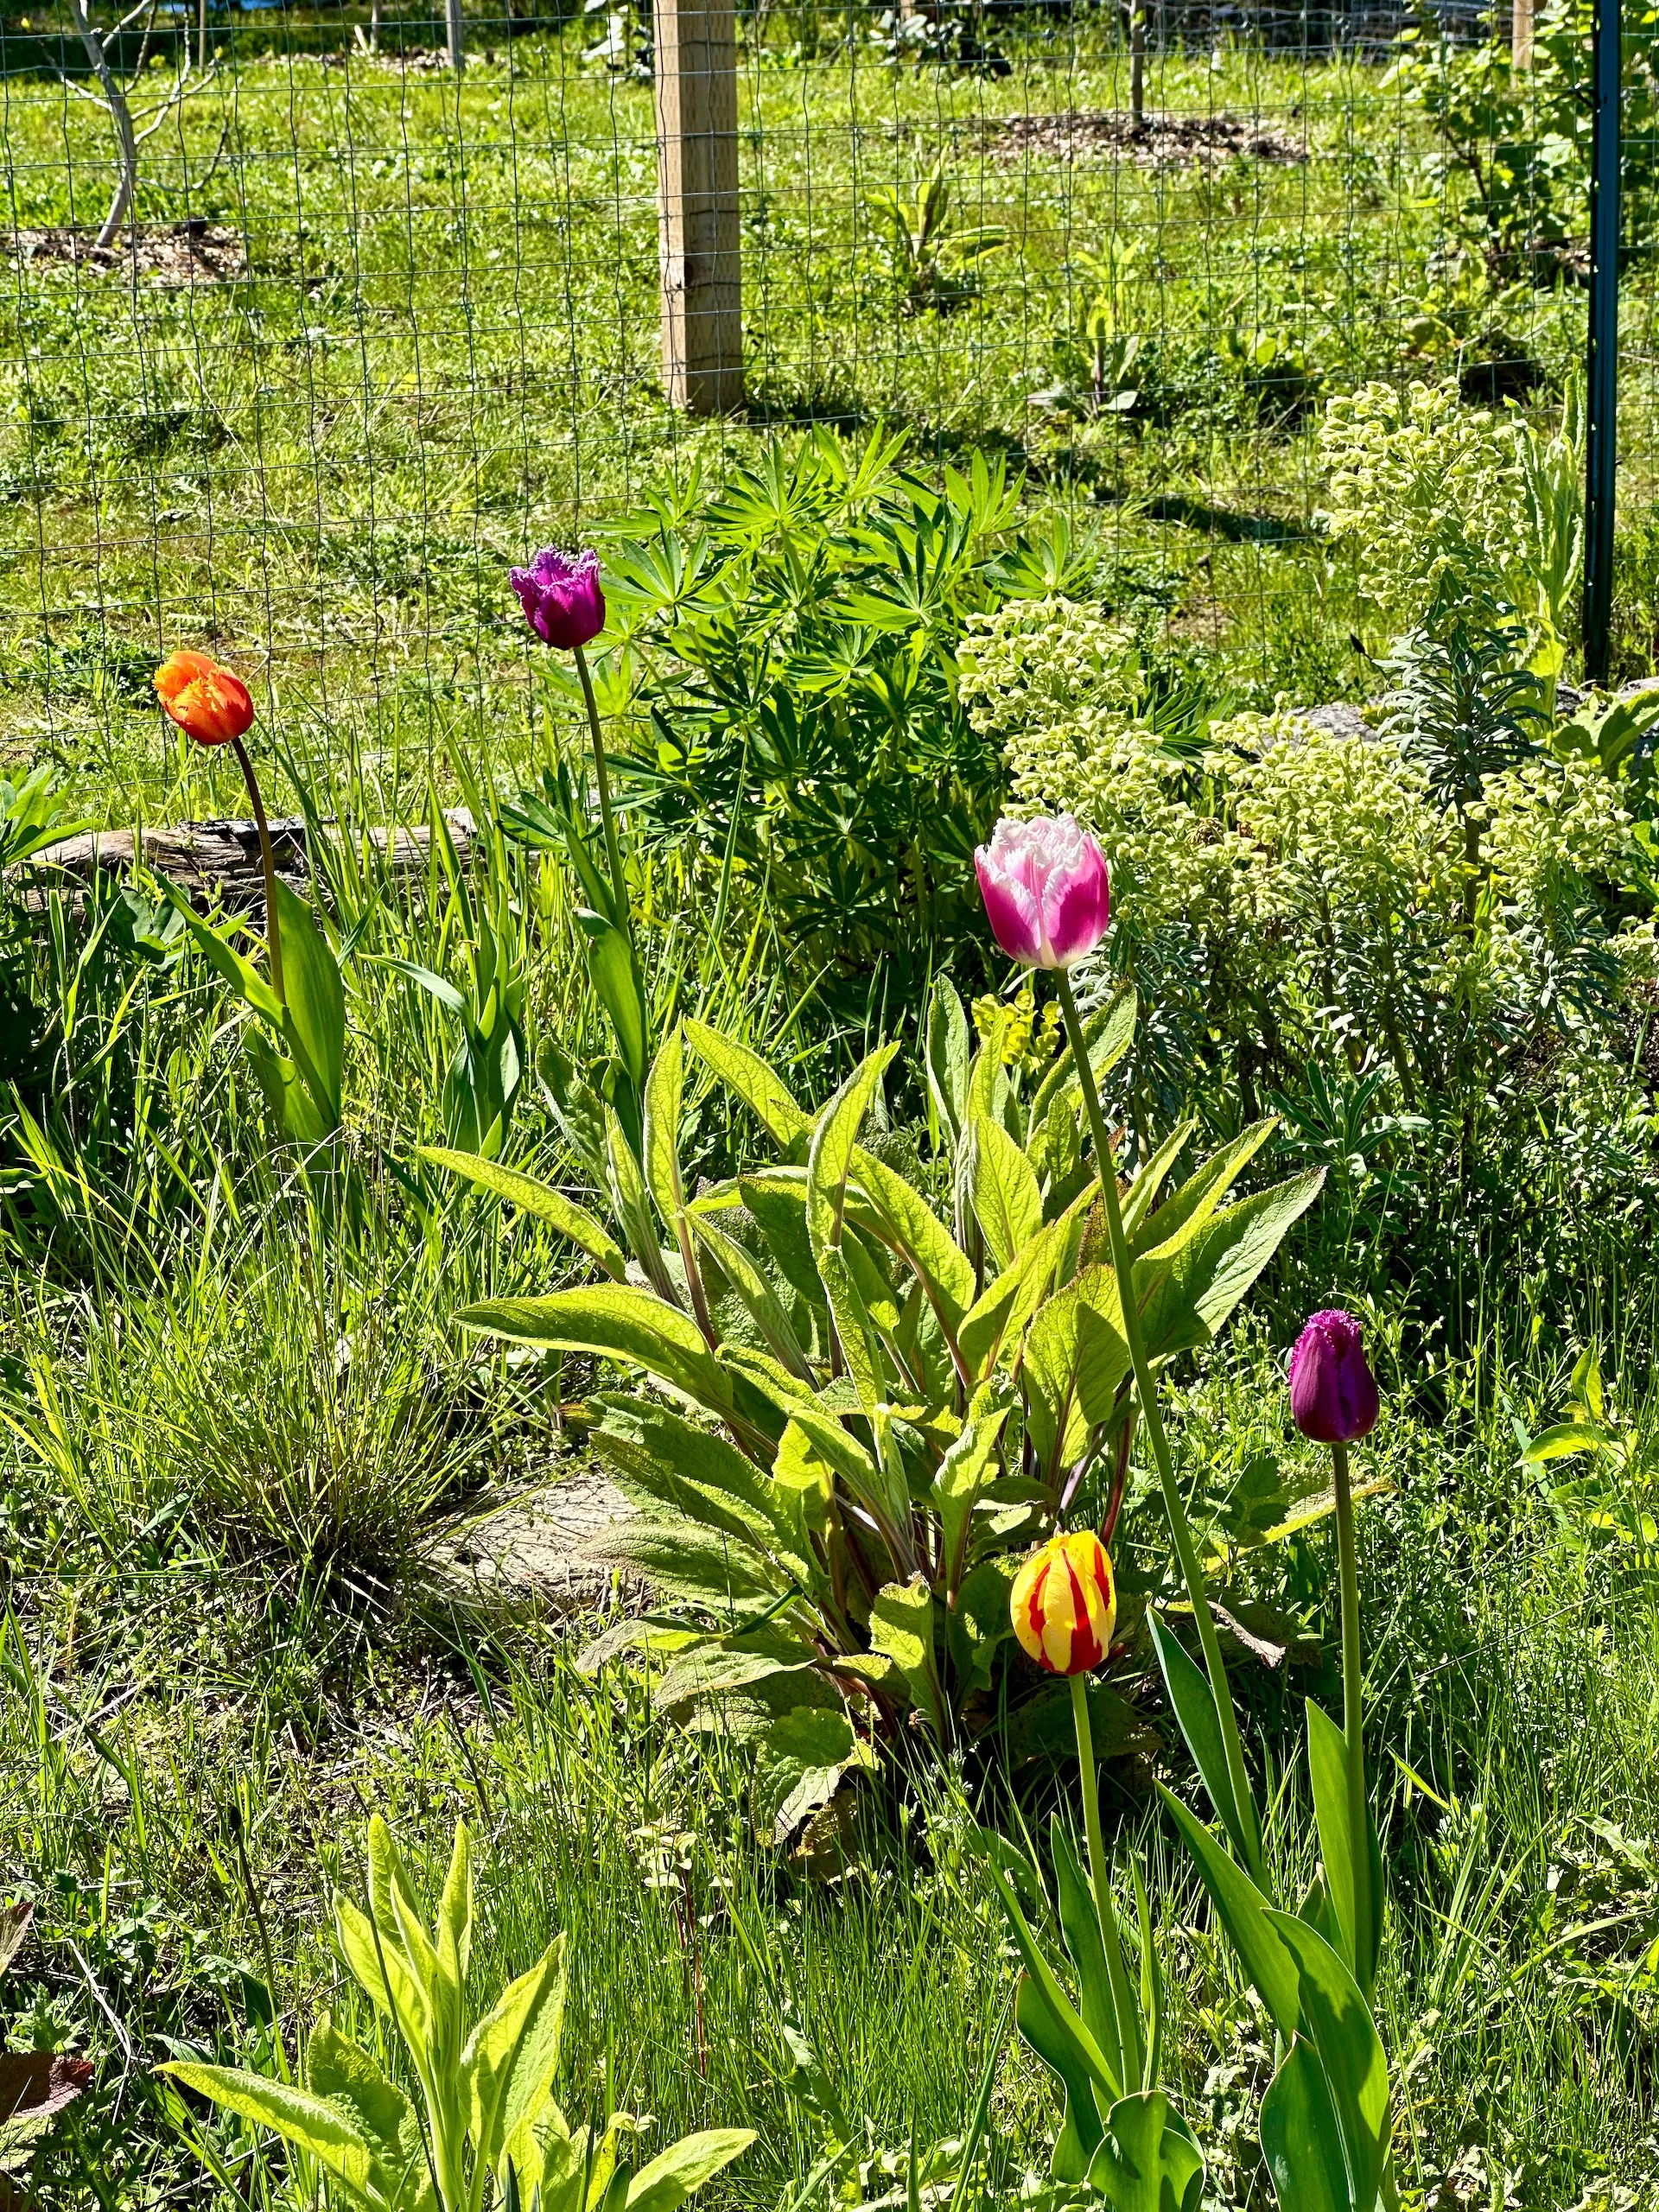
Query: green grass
(1514, 1683)
(444, 351)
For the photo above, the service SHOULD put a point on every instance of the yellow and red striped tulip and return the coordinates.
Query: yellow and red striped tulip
(1065, 1603)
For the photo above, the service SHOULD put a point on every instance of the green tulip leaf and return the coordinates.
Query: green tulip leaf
(1300, 2140)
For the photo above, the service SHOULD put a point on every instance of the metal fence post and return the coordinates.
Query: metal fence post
(1601, 371)
(457, 47)
(696, 182)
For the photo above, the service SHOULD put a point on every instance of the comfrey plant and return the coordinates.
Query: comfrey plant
(486, 2119)
(1326, 2117)
(861, 1408)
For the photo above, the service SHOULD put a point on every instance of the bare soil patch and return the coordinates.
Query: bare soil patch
(169, 255)
(1156, 141)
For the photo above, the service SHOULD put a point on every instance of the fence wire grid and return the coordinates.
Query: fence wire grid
(371, 327)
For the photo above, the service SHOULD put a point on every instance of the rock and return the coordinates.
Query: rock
(531, 1549)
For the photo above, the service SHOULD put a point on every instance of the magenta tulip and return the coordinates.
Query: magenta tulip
(1047, 891)
(561, 597)
(1333, 1391)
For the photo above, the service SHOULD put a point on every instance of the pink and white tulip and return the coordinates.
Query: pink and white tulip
(1047, 891)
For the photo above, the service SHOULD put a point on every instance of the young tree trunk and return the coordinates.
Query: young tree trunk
(116, 100)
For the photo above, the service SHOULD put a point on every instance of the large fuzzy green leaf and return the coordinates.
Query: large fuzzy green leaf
(678, 2172)
(1211, 1271)
(762, 1089)
(798, 1767)
(584, 1230)
(512, 2055)
(1076, 1357)
(659, 1458)
(685, 1559)
(1108, 1033)
(313, 2124)
(886, 1206)
(344, 2077)
(1186, 1209)
(828, 1164)
(963, 1472)
(902, 1628)
(616, 1321)
(1007, 1204)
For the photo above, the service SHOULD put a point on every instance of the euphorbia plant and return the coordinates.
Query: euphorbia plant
(858, 1413)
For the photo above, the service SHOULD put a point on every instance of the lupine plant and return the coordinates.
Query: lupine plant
(486, 2114)
(861, 1408)
(1326, 2119)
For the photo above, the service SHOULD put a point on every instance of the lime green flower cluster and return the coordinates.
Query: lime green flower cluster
(1294, 890)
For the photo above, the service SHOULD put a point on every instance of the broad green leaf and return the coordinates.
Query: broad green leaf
(1211, 1272)
(512, 2055)
(1185, 1210)
(963, 1472)
(760, 1088)
(1300, 2140)
(616, 1321)
(314, 2126)
(884, 1205)
(678, 2172)
(1243, 1912)
(1076, 1358)
(1080, 2131)
(1007, 1204)
(1346, 1867)
(664, 1091)
(798, 1767)
(1137, 1202)
(289, 1099)
(1194, 1699)
(748, 1278)
(901, 1628)
(382, 1973)
(1085, 1941)
(1340, 2026)
(344, 2077)
(685, 1559)
(947, 1052)
(1063, 2018)
(994, 1327)
(1147, 2160)
(616, 979)
(1108, 1033)
(661, 1459)
(1565, 1438)
(316, 1023)
(584, 1230)
(839, 1449)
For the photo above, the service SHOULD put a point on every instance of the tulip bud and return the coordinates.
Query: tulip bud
(207, 701)
(561, 597)
(1045, 888)
(1064, 1605)
(1333, 1391)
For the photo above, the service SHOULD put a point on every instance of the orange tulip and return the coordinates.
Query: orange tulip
(208, 703)
(1065, 1603)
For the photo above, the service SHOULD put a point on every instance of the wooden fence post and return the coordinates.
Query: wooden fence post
(1521, 34)
(697, 184)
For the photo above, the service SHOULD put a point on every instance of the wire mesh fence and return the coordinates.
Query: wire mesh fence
(370, 326)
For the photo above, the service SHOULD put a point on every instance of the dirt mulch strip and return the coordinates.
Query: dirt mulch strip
(170, 254)
(1156, 141)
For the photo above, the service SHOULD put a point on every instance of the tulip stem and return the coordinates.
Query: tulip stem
(268, 863)
(1180, 1529)
(612, 850)
(1353, 1675)
(1088, 1774)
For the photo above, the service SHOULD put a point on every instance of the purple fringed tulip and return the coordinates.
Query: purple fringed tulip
(1047, 891)
(561, 597)
(1333, 1391)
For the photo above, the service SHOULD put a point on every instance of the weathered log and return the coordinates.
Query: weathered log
(221, 859)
